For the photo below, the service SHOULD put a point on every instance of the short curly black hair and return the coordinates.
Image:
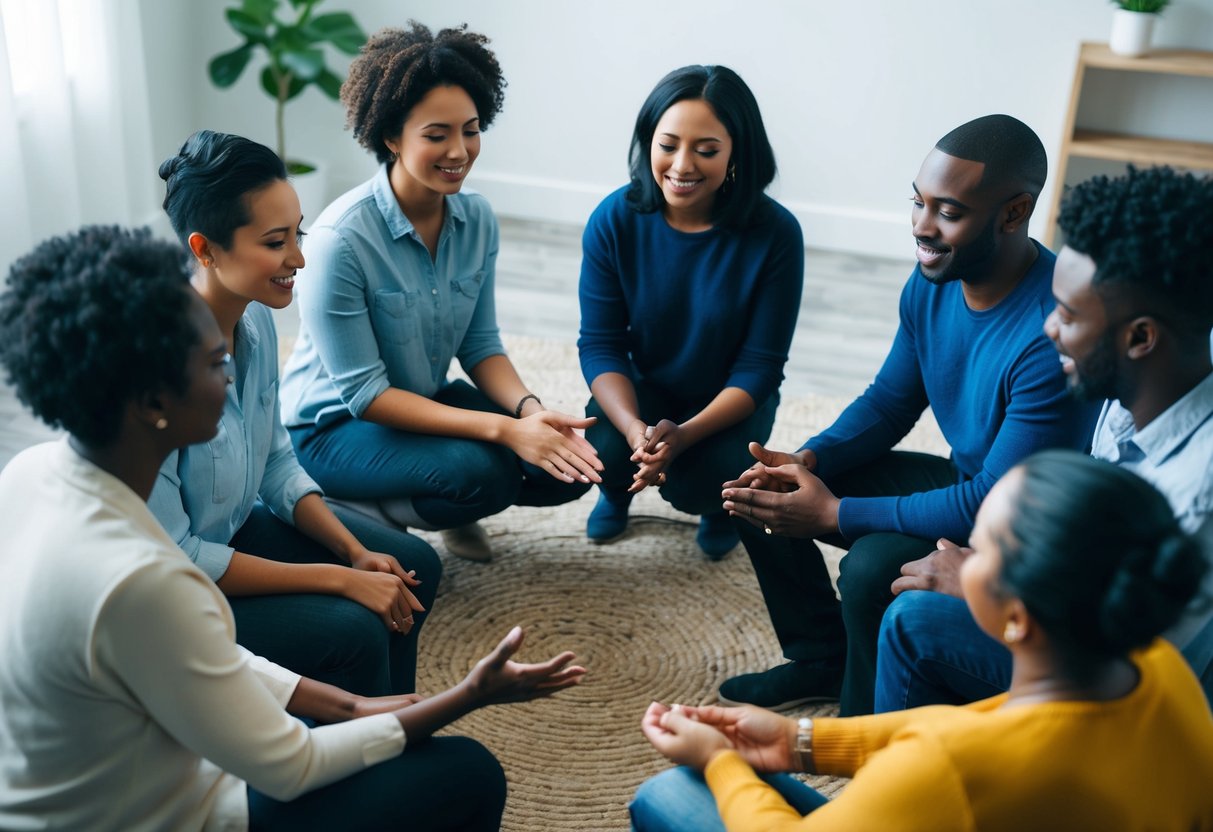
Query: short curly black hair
(1150, 232)
(92, 320)
(397, 67)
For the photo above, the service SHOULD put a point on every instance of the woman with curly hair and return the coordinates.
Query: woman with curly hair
(240, 505)
(690, 289)
(400, 283)
(125, 702)
(1078, 566)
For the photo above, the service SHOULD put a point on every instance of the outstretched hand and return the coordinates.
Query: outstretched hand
(549, 440)
(497, 679)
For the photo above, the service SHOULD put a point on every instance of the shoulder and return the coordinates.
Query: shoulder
(474, 205)
(346, 208)
(771, 214)
(613, 209)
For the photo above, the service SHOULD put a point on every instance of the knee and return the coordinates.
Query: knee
(909, 614)
(480, 769)
(673, 800)
(865, 575)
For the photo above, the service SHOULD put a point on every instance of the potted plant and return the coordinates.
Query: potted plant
(295, 53)
(1132, 26)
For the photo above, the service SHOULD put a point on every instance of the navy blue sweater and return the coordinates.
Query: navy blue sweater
(995, 385)
(690, 313)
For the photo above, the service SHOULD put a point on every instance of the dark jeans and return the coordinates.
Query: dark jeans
(326, 637)
(810, 622)
(451, 481)
(444, 783)
(694, 478)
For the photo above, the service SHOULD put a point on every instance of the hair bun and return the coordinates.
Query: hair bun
(1151, 589)
(169, 166)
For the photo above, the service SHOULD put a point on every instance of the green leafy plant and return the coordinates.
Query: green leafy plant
(295, 52)
(1144, 6)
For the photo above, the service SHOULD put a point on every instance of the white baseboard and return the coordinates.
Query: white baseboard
(873, 233)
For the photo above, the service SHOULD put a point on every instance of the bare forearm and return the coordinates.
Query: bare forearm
(316, 520)
(321, 702)
(410, 412)
(251, 575)
(435, 712)
(496, 377)
(616, 395)
(731, 405)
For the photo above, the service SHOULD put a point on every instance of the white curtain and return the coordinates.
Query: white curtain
(74, 128)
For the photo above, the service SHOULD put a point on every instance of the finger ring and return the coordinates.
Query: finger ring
(766, 528)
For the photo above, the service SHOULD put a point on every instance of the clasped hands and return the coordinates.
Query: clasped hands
(691, 736)
(781, 494)
(379, 583)
(654, 447)
(550, 440)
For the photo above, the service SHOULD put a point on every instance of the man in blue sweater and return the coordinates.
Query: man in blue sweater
(971, 346)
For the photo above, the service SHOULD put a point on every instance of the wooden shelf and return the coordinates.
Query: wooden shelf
(1139, 150)
(1190, 62)
(1125, 147)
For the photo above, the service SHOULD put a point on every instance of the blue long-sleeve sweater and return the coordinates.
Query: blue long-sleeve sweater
(691, 313)
(995, 385)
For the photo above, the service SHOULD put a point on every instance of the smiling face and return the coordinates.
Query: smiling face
(954, 220)
(690, 158)
(1078, 327)
(438, 144)
(261, 262)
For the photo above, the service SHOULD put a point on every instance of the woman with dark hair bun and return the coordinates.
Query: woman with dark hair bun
(1078, 566)
(400, 284)
(125, 702)
(690, 289)
(240, 505)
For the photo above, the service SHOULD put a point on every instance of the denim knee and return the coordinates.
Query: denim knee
(675, 800)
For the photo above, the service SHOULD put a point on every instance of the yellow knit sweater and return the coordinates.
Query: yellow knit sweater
(1143, 762)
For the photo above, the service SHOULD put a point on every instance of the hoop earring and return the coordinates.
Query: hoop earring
(730, 179)
(1012, 633)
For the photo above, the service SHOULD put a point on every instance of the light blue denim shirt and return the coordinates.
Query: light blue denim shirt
(377, 312)
(1174, 453)
(205, 492)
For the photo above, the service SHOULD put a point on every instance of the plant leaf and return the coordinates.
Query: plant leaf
(339, 29)
(270, 85)
(260, 10)
(226, 68)
(305, 64)
(330, 83)
(247, 25)
(299, 4)
(294, 167)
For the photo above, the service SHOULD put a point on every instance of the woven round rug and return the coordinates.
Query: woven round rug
(648, 616)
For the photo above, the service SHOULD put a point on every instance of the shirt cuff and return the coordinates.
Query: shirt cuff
(858, 516)
(213, 559)
(279, 681)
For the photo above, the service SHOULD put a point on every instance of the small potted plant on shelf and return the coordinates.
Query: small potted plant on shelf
(295, 60)
(1133, 25)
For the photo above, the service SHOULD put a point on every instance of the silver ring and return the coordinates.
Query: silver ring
(766, 528)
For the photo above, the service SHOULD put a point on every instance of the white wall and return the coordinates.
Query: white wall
(854, 94)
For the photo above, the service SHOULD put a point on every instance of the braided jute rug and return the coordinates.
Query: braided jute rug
(648, 616)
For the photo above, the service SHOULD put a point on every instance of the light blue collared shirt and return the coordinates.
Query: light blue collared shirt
(205, 492)
(1174, 453)
(377, 311)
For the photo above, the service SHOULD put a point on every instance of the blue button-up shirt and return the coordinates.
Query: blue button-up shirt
(1174, 453)
(377, 311)
(205, 492)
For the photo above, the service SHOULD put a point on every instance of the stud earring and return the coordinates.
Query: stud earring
(1012, 633)
(161, 423)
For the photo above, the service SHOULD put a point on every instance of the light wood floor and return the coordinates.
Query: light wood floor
(847, 316)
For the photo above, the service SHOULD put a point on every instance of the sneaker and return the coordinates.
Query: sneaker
(717, 535)
(609, 519)
(469, 542)
(785, 686)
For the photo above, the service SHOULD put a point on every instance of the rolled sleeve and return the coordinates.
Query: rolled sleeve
(285, 482)
(167, 505)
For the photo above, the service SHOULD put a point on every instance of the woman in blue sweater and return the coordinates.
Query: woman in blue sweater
(690, 287)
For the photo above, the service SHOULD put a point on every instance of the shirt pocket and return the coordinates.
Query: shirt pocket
(465, 292)
(222, 454)
(394, 316)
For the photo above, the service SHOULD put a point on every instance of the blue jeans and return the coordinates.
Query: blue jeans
(444, 783)
(678, 800)
(694, 478)
(451, 481)
(326, 637)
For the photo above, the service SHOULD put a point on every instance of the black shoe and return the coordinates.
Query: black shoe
(785, 686)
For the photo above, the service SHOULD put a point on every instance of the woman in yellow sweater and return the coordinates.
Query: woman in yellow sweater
(1078, 566)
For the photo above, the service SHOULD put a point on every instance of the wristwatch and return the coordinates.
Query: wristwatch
(804, 743)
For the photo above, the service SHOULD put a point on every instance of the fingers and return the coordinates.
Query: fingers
(906, 583)
(505, 648)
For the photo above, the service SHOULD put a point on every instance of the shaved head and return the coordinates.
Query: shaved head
(1012, 153)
